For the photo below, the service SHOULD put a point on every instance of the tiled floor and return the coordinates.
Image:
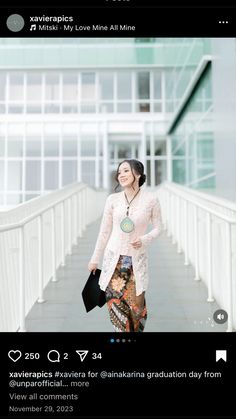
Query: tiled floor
(175, 301)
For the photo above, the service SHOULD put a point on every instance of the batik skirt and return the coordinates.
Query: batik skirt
(125, 314)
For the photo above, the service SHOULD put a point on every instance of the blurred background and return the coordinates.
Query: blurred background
(72, 109)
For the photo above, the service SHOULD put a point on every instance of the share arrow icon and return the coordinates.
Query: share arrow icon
(82, 354)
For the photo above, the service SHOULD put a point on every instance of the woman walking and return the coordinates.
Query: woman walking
(123, 239)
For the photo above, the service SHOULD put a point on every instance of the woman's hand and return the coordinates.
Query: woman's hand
(136, 244)
(92, 267)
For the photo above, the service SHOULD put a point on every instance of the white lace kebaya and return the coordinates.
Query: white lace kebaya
(113, 242)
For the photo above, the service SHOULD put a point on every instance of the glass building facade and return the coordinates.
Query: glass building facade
(72, 109)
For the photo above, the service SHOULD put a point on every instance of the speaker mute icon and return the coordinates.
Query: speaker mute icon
(82, 354)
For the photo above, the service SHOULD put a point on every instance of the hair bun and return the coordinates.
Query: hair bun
(142, 179)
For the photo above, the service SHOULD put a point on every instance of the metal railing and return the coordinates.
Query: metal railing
(204, 228)
(35, 238)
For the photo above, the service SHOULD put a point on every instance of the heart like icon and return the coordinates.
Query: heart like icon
(14, 355)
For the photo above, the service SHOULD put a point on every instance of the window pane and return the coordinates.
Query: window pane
(143, 107)
(33, 147)
(106, 86)
(14, 199)
(14, 176)
(69, 172)
(1, 175)
(34, 86)
(52, 108)
(15, 109)
(33, 175)
(88, 86)
(100, 173)
(3, 86)
(2, 146)
(124, 152)
(88, 107)
(178, 171)
(16, 86)
(51, 146)
(31, 196)
(148, 173)
(169, 83)
(52, 86)
(88, 172)
(148, 145)
(15, 147)
(124, 85)
(106, 108)
(159, 147)
(143, 87)
(157, 107)
(157, 85)
(33, 108)
(124, 107)
(70, 87)
(70, 108)
(160, 172)
(88, 146)
(51, 175)
(69, 147)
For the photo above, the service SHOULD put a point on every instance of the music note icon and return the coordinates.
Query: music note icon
(33, 27)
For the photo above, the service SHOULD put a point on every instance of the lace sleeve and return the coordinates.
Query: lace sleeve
(104, 233)
(156, 221)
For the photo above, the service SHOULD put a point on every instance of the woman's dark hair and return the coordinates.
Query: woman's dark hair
(136, 166)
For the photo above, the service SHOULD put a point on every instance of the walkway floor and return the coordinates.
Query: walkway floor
(175, 302)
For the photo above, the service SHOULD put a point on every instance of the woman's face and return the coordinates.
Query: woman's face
(125, 175)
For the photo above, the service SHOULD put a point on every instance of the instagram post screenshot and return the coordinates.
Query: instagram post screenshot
(118, 210)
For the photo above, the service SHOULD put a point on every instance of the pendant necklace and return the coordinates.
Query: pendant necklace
(127, 224)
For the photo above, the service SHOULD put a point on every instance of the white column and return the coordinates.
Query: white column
(196, 244)
(173, 218)
(186, 259)
(22, 279)
(105, 157)
(97, 158)
(142, 149)
(169, 159)
(209, 254)
(169, 225)
(53, 239)
(228, 251)
(74, 198)
(79, 177)
(23, 143)
(187, 179)
(85, 207)
(178, 225)
(152, 162)
(43, 132)
(42, 136)
(80, 220)
(60, 157)
(60, 92)
(5, 165)
(40, 260)
(63, 230)
(69, 226)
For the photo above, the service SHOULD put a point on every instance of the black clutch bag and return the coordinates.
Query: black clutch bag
(92, 294)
